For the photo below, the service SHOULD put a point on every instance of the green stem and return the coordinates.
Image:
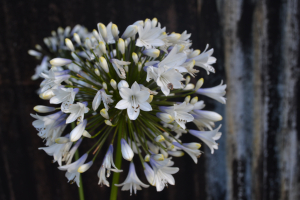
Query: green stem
(80, 189)
(116, 176)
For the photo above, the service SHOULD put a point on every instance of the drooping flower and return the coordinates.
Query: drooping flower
(132, 181)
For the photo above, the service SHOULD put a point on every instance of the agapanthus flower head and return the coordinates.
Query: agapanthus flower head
(133, 91)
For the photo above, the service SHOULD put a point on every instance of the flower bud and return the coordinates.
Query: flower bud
(121, 46)
(62, 140)
(199, 84)
(149, 100)
(113, 84)
(189, 86)
(127, 152)
(115, 32)
(159, 138)
(147, 158)
(154, 22)
(126, 68)
(47, 95)
(104, 85)
(104, 113)
(58, 62)
(154, 53)
(194, 53)
(34, 53)
(77, 132)
(180, 48)
(153, 147)
(85, 167)
(165, 117)
(102, 47)
(176, 153)
(194, 100)
(77, 38)
(122, 83)
(69, 44)
(97, 72)
(139, 66)
(192, 145)
(158, 157)
(103, 64)
(38, 47)
(88, 43)
(43, 109)
(86, 134)
(107, 122)
(130, 31)
(102, 30)
(187, 99)
(187, 80)
(139, 23)
(163, 152)
(135, 57)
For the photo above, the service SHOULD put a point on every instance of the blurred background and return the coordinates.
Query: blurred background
(256, 43)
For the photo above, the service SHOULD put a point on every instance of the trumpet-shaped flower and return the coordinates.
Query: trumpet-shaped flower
(216, 92)
(101, 95)
(132, 181)
(77, 112)
(65, 96)
(194, 153)
(208, 137)
(134, 100)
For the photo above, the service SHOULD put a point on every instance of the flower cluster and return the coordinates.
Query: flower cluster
(124, 89)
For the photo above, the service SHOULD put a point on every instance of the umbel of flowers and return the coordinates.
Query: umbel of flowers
(123, 89)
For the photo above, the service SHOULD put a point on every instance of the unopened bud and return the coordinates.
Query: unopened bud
(147, 158)
(199, 84)
(43, 109)
(34, 53)
(165, 117)
(121, 46)
(149, 100)
(88, 43)
(97, 72)
(187, 80)
(154, 22)
(58, 62)
(159, 138)
(158, 157)
(104, 113)
(115, 32)
(154, 53)
(47, 95)
(194, 100)
(189, 86)
(122, 83)
(86, 134)
(126, 68)
(85, 167)
(192, 145)
(107, 122)
(69, 44)
(62, 140)
(104, 85)
(113, 84)
(103, 64)
(135, 57)
(180, 48)
(77, 38)
(187, 99)
(102, 47)
(194, 53)
(102, 30)
(139, 66)
(176, 153)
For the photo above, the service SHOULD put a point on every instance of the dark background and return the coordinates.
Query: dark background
(256, 43)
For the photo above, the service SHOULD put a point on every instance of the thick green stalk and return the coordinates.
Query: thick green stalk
(116, 176)
(80, 189)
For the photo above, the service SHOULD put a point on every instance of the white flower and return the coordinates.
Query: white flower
(130, 31)
(132, 181)
(127, 152)
(208, 137)
(143, 88)
(133, 100)
(65, 96)
(122, 83)
(43, 109)
(77, 112)
(118, 66)
(204, 118)
(72, 169)
(106, 99)
(106, 165)
(179, 113)
(43, 67)
(174, 59)
(58, 151)
(216, 92)
(77, 132)
(53, 78)
(58, 62)
(205, 60)
(167, 78)
(194, 153)
(149, 37)
(162, 171)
